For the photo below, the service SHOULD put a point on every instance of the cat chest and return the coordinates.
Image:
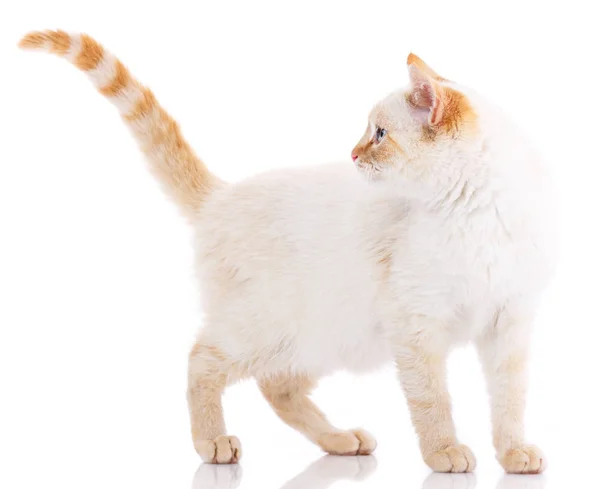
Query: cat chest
(452, 266)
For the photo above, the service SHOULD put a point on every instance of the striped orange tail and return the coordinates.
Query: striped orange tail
(183, 175)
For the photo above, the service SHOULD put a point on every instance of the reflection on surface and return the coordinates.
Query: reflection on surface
(211, 476)
(469, 481)
(449, 481)
(329, 469)
(510, 481)
(318, 475)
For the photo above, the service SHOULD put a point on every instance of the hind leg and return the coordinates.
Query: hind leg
(289, 397)
(209, 373)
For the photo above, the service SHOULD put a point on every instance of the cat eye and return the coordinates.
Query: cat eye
(379, 134)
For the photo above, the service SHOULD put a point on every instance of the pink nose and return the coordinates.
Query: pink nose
(354, 157)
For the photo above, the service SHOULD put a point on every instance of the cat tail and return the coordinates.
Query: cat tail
(182, 174)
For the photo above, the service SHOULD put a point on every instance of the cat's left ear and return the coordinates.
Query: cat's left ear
(427, 93)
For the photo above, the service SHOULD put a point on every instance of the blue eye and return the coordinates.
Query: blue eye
(379, 134)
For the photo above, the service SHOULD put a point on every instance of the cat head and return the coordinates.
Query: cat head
(416, 133)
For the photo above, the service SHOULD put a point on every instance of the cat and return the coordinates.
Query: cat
(439, 234)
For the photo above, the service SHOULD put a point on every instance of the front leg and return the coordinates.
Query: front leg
(422, 372)
(503, 350)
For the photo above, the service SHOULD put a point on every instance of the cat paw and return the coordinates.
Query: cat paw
(354, 442)
(457, 459)
(527, 459)
(221, 450)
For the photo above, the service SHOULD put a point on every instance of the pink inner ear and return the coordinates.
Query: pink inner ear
(425, 94)
(437, 112)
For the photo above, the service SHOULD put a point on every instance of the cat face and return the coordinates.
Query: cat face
(413, 129)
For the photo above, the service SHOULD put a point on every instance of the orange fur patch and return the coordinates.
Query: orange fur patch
(59, 41)
(143, 106)
(458, 114)
(413, 59)
(119, 82)
(385, 151)
(453, 113)
(187, 179)
(172, 160)
(90, 55)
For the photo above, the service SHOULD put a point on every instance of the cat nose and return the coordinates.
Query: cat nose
(354, 156)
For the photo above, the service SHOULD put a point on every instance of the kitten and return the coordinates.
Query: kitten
(441, 237)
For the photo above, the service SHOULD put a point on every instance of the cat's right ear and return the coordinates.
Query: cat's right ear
(426, 94)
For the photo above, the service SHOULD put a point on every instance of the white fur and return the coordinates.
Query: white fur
(447, 240)
(444, 235)
(74, 49)
(306, 296)
(104, 73)
(299, 240)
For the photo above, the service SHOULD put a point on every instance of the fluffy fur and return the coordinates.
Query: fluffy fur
(441, 237)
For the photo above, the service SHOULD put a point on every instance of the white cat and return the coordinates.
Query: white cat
(442, 236)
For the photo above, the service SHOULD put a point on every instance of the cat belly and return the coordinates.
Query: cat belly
(362, 352)
(367, 356)
(316, 337)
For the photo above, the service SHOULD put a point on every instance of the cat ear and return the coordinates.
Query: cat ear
(413, 59)
(426, 93)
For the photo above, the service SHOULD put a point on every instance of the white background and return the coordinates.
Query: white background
(98, 304)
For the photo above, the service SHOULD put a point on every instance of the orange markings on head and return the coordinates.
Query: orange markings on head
(90, 54)
(450, 110)
(362, 146)
(458, 114)
(377, 152)
(452, 113)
